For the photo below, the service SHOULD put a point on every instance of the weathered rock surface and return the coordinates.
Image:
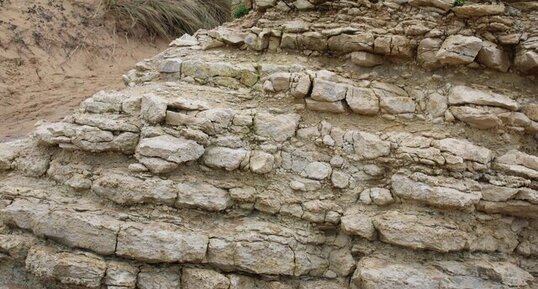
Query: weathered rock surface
(310, 144)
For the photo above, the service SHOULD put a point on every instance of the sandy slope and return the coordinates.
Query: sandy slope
(53, 54)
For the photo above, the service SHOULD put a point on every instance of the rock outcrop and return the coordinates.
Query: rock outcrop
(312, 144)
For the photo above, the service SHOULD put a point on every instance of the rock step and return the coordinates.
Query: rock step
(84, 224)
(163, 153)
(390, 29)
(328, 92)
(75, 268)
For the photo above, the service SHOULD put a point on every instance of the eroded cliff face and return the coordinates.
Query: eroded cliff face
(313, 144)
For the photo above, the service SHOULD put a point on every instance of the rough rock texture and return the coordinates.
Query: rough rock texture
(312, 144)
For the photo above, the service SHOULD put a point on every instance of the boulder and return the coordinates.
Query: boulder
(460, 95)
(444, 197)
(317, 170)
(295, 26)
(279, 259)
(505, 273)
(419, 232)
(264, 4)
(427, 50)
(185, 40)
(159, 278)
(279, 127)
(365, 59)
(169, 243)
(358, 224)
(173, 149)
(261, 162)
(8, 153)
(478, 10)
(153, 108)
(328, 91)
(312, 41)
(515, 208)
(346, 43)
(128, 190)
(334, 107)
(378, 196)
(194, 278)
(526, 61)
(436, 105)
(204, 196)
(225, 158)
(121, 274)
(442, 5)
(466, 150)
(397, 105)
(86, 230)
(362, 100)
(459, 49)
(369, 146)
(378, 273)
(518, 163)
(493, 56)
(72, 269)
(479, 117)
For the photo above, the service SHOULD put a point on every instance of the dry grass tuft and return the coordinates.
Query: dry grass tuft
(169, 18)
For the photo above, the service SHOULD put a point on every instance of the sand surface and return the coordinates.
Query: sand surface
(55, 53)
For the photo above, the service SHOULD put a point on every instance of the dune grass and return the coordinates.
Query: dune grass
(169, 18)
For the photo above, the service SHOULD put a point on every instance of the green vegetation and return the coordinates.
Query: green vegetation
(168, 18)
(240, 11)
(459, 2)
